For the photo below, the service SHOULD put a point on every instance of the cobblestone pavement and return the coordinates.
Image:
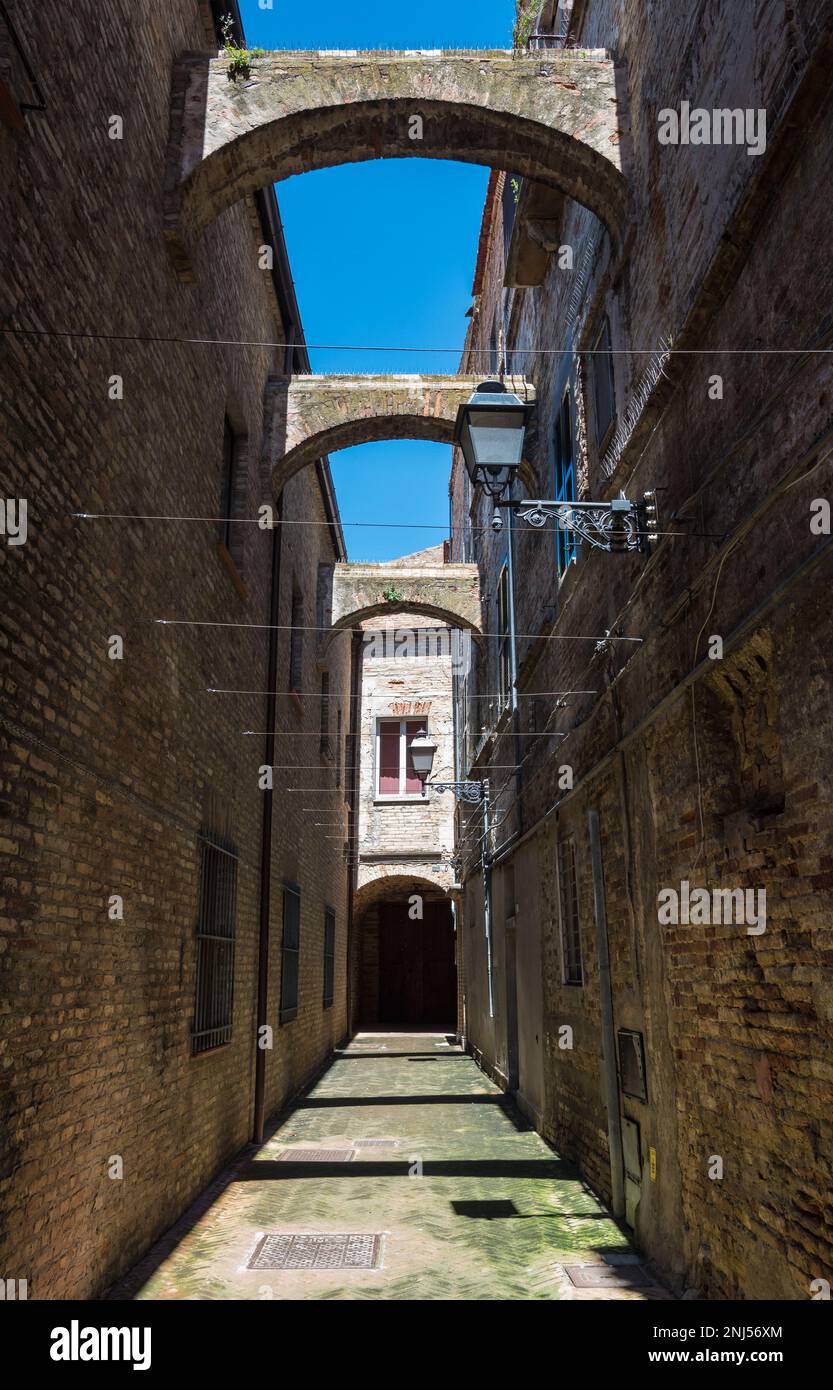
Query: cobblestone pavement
(468, 1201)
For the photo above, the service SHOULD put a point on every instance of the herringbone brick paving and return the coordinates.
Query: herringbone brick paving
(473, 1204)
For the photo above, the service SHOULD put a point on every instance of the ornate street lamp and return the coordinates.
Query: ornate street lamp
(490, 430)
(422, 750)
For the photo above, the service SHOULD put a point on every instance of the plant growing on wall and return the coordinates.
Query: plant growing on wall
(525, 22)
(240, 59)
(392, 595)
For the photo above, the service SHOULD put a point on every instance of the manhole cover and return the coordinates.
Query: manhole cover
(288, 1251)
(376, 1143)
(317, 1155)
(609, 1276)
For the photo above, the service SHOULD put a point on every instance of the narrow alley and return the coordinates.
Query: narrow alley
(407, 1149)
(416, 665)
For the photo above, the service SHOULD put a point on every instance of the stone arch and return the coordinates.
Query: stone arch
(448, 593)
(399, 884)
(550, 117)
(327, 413)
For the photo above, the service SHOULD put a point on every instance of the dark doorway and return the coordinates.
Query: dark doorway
(417, 970)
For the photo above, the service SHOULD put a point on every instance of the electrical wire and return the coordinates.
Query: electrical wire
(176, 339)
(304, 627)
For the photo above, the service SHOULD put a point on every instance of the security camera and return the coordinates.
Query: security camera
(497, 521)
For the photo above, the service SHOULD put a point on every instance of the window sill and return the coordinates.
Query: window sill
(232, 571)
(414, 800)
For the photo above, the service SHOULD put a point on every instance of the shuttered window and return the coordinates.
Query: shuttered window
(395, 775)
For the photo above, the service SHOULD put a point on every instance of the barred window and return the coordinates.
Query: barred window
(329, 955)
(324, 716)
(290, 952)
(568, 904)
(296, 642)
(214, 995)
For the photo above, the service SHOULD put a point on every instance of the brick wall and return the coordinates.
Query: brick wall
(112, 768)
(714, 771)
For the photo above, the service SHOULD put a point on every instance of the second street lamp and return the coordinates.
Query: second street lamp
(422, 750)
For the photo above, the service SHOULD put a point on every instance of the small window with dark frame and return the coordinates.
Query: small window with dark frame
(216, 917)
(339, 750)
(329, 955)
(504, 652)
(565, 482)
(296, 642)
(572, 972)
(290, 952)
(604, 397)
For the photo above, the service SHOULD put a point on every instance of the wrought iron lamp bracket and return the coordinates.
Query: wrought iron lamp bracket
(465, 791)
(619, 526)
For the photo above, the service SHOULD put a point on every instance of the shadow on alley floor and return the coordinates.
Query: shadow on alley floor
(412, 1156)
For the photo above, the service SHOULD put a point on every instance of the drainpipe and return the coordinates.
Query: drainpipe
(614, 1119)
(487, 896)
(266, 829)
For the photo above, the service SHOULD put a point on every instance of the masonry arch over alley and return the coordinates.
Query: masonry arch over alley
(448, 593)
(553, 117)
(328, 413)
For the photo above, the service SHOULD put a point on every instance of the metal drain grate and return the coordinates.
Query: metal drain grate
(284, 1250)
(317, 1155)
(376, 1143)
(609, 1276)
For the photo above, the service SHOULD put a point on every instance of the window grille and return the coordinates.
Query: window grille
(339, 748)
(290, 952)
(296, 642)
(568, 895)
(329, 955)
(324, 715)
(214, 994)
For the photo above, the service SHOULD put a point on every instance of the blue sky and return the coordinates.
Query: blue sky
(383, 254)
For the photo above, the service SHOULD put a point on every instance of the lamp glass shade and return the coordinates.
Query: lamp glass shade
(491, 427)
(422, 750)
